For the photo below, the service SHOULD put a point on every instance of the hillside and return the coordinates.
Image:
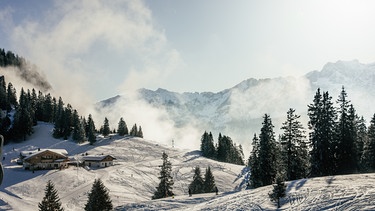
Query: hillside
(133, 178)
(349, 192)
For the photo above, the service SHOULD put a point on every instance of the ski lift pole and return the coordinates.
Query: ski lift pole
(1, 156)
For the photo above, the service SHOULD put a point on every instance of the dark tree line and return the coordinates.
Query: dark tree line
(25, 70)
(8, 58)
(18, 116)
(200, 184)
(225, 150)
(338, 142)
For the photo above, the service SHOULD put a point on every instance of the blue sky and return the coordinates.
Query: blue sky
(105, 48)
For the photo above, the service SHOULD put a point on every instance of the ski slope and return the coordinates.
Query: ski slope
(133, 178)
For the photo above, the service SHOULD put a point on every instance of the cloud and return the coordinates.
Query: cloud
(87, 46)
(90, 47)
(156, 122)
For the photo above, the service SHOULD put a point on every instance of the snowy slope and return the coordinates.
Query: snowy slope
(132, 179)
(349, 192)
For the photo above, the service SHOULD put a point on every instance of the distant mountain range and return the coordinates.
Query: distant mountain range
(238, 111)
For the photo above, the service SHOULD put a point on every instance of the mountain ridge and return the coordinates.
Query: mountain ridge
(238, 111)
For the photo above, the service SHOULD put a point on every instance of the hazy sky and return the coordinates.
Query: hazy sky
(106, 48)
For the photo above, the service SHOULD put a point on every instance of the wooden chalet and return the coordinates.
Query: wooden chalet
(45, 159)
(100, 161)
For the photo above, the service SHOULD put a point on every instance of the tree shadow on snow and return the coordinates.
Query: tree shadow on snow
(297, 184)
(193, 155)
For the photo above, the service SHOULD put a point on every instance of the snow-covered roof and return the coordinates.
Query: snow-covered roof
(96, 157)
(62, 152)
(28, 153)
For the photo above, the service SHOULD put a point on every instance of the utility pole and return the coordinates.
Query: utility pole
(172, 143)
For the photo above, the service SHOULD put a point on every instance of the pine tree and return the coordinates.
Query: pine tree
(253, 163)
(345, 148)
(67, 121)
(209, 181)
(122, 128)
(3, 94)
(11, 95)
(197, 185)
(33, 99)
(106, 129)
(98, 198)
(221, 149)
(294, 148)
(368, 157)
(134, 130)
(140, 133)
(207, 145)
(322, 117)
(51, 201)
(90, 134)
(361, 140)
(58, 131)
(268, 152)
(23, 123)
(166, 181)
(48, 108)
(278, 191)
(79, 134)
(39, 112)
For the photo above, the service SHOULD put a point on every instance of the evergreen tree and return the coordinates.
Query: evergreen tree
(268, 152)
(221, 148)
(11, 96)
(253, 163)
(48, 108)
(99, 199)
(140, 133)
(3, 94)
(361, 140)
(79, 134)
(106, 129)
(207, 145)
(166, 181)
(368, 157)
(122, 128)
(134, 130)
(294, 148)
(51, 201)
(278, 191)
(23, 123)
(345, 148)
(197, 185)
(39, 112)
(209, 181)
(33, 98)
(58, 131)
(322, 118)
(67, 121)
(90, 134)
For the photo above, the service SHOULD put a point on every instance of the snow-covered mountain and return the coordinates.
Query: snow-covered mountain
(238, 111)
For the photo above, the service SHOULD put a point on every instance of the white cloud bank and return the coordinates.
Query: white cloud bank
(79, 44)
